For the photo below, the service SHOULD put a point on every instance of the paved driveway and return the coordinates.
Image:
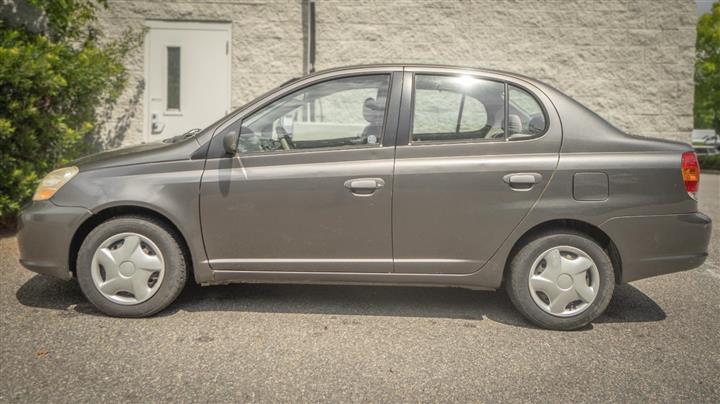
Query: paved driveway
(660, 340)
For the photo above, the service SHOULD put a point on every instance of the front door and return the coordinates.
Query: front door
(187, 76)
(464, 179)
(311, 187)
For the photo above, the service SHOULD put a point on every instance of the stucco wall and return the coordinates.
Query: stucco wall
(629, 60)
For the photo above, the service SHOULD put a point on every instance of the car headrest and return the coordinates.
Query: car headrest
(373, 111)
(514, 124)
(537, 124)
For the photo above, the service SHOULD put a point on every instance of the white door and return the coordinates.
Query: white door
(187, 75)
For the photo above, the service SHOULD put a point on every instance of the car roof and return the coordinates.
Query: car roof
(420, 66)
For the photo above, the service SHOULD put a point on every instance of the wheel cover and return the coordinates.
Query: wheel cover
(564, 281)
(127, 268)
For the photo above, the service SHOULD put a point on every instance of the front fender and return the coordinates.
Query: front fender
(171, 189)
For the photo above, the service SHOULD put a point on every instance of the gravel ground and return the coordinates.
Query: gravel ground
(658, 341)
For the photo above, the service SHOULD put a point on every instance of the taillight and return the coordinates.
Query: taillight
(690, 172)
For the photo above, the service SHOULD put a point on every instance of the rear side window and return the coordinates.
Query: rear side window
(526, 119)
(450, 108)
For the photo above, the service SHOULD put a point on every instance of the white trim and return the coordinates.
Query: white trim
(189, 25)
(146, 82)
(229, 53)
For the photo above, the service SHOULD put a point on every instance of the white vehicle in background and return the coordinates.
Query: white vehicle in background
(707, 138)
(706, 150)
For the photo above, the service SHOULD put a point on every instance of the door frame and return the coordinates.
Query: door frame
(297, 159)
(188, 25)
(471, 152)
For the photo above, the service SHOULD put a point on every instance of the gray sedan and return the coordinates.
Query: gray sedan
(386, 174)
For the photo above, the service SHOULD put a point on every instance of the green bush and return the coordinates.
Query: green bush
(707, 70)
(51, 85)
(709, 162)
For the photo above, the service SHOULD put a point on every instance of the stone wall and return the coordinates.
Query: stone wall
(19, 13)
(629, 60)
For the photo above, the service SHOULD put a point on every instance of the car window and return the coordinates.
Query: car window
(525, 116)
(343, 112)
(450, 108)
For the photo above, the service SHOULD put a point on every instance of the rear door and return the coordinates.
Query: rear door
(311, 188)
(464, 179)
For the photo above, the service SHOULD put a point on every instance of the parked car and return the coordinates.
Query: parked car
(387, 174)
(706, 137)
(706, 150)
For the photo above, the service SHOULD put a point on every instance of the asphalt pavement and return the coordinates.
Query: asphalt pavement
(658, 341)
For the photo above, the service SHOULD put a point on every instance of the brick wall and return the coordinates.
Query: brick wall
(629, 60)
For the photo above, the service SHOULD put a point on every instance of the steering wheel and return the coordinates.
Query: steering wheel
(284, 138)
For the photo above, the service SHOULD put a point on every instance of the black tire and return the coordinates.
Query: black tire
(164, 237)
(518, 273)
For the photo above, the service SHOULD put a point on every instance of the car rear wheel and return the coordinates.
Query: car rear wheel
(561, 280)
(131, 266)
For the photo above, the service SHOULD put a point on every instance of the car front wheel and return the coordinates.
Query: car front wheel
(131, 266)
(561, 280)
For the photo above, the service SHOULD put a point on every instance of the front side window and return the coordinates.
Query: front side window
(448, 108)
(526, 119)
(343, 112)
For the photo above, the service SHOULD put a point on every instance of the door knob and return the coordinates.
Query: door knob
(155, 125)
(364, 186)
(522, 181)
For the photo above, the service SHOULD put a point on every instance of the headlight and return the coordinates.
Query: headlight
(53, 182)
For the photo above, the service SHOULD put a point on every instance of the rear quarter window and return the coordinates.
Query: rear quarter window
(526, 118)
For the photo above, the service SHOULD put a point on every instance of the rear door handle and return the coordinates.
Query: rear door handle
(364, 186)
(522, 181)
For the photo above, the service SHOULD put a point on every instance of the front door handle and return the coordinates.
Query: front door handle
(364, 186)
(522, 181)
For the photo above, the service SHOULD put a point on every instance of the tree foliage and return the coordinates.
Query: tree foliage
(51, 85)
(707, 70)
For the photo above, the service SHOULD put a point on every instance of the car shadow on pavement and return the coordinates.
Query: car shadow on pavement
(628, 304)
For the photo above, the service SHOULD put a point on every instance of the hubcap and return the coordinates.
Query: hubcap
(564, 281)
(127, 268)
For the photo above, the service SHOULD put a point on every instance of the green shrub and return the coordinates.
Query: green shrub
(709, 162)
(51, 85)
(707, 70)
